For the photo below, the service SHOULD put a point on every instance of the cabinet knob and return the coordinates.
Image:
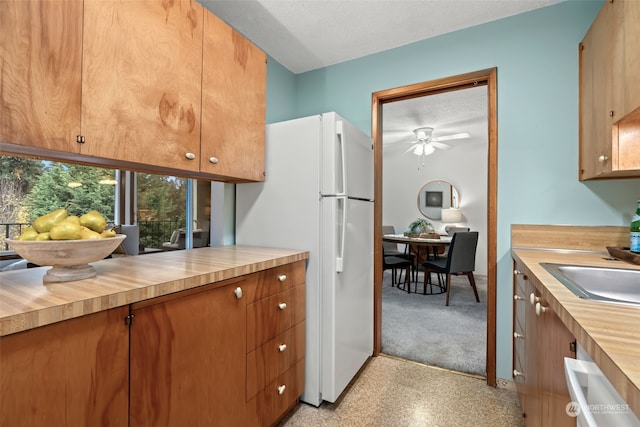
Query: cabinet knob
(611, 113)
(603, 159)
(282, 347)
(213, 160)
(190, 156)
(282, 277)
(517, 335)
(533, 298)
(516, 272)
(540, 309)
(282, 305)
(518, 298)
(238, 292)
(281, 389)
(517, 373)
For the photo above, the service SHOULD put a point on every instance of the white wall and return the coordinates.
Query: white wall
(465, 166)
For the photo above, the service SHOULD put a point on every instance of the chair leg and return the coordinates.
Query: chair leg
(407, 279)
(448, 288)
(472, 281)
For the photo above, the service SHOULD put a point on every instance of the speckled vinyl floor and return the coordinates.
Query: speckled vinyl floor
(394, 392)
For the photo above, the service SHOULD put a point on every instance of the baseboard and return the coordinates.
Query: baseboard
(505, 384)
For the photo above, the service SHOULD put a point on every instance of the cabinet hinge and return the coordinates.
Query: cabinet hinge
(80, 139)
(572, 346)
(128, 319)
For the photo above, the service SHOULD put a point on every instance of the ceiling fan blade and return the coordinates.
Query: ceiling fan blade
(440, 145)
(461, 135)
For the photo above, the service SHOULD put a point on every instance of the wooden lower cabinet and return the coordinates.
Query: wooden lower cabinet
(71, 373)
(541, 342)
(226, 354)
(187, 361)
(193, 363)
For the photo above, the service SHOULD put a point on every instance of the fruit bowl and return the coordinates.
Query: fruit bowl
(69, 258)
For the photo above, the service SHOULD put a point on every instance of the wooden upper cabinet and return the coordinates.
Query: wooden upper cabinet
(141, 84)
(233, 104)
(41, 57)
(610, 93)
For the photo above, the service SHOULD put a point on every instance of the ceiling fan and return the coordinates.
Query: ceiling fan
(425, 143)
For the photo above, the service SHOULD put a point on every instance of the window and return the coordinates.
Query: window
(157, 204)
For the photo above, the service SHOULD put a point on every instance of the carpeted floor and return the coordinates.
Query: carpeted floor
(421, 328)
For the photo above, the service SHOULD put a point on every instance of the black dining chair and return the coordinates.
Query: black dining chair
(391, 249)
(460, 259)
(396, 264)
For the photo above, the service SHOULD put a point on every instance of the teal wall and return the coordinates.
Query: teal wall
(281, 92)
(536, 55)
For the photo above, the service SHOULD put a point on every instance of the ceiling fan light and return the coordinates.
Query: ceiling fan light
(423, 149)
(423, 134)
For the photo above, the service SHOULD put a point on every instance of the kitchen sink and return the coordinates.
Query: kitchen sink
(605, 284)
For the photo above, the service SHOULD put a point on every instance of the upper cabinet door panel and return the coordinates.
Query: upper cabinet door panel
(141, 85)
(233, 103)
(596, 97)
(41, 57)
(625, 22)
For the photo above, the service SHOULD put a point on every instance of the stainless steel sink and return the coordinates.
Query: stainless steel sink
(616, 285)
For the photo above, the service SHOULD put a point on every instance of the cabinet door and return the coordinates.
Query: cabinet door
(41, 56)
(626, 142)
(71, 373)
(554, 341)
(626, 56)
(141, 82)
(188, 360)
(532, 362)
(233, 104)
(596, 97)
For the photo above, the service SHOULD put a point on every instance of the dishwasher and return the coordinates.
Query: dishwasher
(594, 400)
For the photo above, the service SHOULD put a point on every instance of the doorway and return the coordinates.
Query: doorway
(486, 77)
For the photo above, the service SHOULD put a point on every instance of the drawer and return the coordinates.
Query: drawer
(272, 316)
(278, 279)
(279, 396)
(270, 360)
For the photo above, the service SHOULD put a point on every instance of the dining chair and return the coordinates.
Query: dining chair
(396, 264)
(391, 249)
(460, 260)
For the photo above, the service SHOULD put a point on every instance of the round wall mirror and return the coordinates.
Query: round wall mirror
(435, 196)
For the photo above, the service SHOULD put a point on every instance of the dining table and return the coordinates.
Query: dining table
(432, 247)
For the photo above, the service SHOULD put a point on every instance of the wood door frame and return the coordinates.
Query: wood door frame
(486, 77)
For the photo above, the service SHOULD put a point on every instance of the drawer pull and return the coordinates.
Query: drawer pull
(281, 389)
(517, 335)
(517, 373)
(213, 160)
(189, 156)
(540, 309)
(282, 277)
(533, 298)
(518, 298)
(238, 292)
(282, 305)
(282, 347)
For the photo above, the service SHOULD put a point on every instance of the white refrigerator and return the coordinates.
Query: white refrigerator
(318, 196)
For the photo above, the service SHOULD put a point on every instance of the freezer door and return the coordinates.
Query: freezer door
(347, 159)
(347, 291)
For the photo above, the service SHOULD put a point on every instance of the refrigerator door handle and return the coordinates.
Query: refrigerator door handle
(342, 191)
(342, 228)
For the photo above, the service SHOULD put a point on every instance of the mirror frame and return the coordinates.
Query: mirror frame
(437, 201)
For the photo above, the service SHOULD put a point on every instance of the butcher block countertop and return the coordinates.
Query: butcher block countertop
(26, 303)
(610, 333)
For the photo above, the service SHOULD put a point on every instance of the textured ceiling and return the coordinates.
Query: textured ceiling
(304, 35)
(447, 113)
